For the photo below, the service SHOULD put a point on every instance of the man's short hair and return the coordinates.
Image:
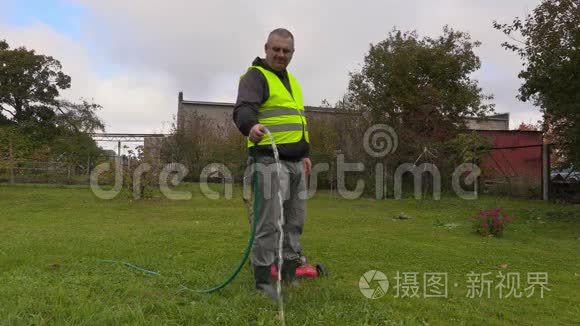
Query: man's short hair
(281, 32)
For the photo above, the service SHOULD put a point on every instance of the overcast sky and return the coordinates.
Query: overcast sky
(134, 56)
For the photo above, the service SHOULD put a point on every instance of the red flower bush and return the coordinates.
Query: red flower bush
(491, 221)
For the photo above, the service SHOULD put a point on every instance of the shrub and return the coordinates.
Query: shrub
(491, 222)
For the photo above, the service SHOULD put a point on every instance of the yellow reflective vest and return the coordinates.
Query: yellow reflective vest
(282, 113)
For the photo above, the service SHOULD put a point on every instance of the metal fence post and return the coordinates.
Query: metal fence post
(11, 155)
(88, 168)
(546, 171)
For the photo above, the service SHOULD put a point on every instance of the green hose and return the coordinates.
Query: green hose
(256, 206)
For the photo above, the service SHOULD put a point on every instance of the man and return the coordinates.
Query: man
(270, 97)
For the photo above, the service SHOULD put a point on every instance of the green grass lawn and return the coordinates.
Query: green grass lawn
(53, 238)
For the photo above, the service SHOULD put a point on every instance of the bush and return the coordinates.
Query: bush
(491, 222)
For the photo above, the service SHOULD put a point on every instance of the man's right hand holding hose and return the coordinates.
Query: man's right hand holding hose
(257, 133)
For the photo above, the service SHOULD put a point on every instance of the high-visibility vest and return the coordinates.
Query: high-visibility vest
(283, 112)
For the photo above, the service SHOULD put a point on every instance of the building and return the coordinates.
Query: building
(515, 163)
(189, 112)
(493, 122)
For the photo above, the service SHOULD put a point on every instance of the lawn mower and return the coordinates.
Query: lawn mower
(303, 269)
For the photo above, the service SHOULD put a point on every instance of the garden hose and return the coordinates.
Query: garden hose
(255, 210)
(246, 254)
(255, 207)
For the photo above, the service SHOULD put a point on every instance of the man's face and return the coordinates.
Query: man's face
(279, 51)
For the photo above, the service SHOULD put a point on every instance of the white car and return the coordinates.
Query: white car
(569, 175)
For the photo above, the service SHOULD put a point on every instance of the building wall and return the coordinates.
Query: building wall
(473, 124)
(495, 122)
(190, 111)
(519, 170)
(152, 147)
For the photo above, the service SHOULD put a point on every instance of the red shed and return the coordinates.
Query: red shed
(515, 163)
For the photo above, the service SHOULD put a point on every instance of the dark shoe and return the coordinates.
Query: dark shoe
(289, 272)
(263, 283)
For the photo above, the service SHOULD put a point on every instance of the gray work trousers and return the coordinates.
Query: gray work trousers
(292, 182)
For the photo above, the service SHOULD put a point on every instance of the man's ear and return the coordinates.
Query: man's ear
(265, 47)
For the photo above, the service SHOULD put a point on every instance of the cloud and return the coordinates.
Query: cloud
(205, 46)
(133, 56)
(135, 101)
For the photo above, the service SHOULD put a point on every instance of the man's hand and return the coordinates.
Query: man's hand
(257, 133)
(307, 165)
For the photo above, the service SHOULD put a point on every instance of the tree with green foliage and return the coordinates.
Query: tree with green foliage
(420, 86)
(30, 85)
(470, 147)
(549, 45)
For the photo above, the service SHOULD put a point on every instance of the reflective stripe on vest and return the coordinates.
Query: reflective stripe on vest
(283, 112)
(276, 112)
(285, 127)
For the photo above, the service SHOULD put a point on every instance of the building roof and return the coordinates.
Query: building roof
(495, 117)
(509, 131)
(231, 105)
(208, 103)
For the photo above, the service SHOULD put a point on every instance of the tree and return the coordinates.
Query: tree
(420, 87)
(550, 50)
(529, 127)
(470, 147)
(30, 86)
(29, 83)
(79, 117)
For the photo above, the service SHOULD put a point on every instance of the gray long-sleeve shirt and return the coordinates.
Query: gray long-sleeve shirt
(253, 91)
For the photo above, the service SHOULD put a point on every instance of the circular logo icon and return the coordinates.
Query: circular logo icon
(380, 140)
(373, 284)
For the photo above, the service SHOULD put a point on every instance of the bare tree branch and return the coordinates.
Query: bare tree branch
(515, 39)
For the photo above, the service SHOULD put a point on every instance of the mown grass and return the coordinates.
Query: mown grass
(53, 240)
